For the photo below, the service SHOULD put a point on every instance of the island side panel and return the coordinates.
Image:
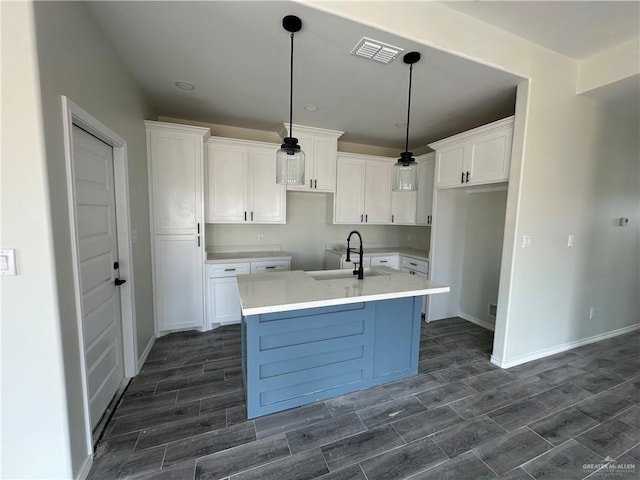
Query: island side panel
(396, 338)
(297, 357)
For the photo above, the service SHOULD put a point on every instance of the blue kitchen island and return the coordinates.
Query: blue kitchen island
(308, 336)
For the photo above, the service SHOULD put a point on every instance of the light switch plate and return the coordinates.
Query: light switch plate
(527, 241)
(571, 241)
(8, 261)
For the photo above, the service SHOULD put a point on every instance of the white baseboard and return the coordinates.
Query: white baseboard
(477, 321)
(561, 348)
(86, 468)
(145, 354)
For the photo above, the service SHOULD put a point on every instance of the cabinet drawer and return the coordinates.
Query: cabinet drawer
(392, 261)
(416, 265)
(227, 269)
(274, 266)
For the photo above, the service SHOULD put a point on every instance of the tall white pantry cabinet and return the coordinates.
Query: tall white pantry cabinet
(176, 157)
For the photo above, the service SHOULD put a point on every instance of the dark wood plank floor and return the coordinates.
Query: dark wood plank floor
(561, 417)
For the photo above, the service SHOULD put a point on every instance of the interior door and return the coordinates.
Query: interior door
(98, 254)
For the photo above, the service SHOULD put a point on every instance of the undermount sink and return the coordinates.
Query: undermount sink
(343, 274)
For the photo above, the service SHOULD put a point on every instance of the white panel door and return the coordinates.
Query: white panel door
(178, 285)
(226, 300)
(350, 185)
(403, 207)
(324, 165)
(377, 198)
(267, 199)
(491, 158)
(176, 175)
(426, 167)
(98, 251)
(450, 164)
(227, 184)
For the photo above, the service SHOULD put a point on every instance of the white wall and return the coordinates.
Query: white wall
(34, 435)
(43, 396)
(307, 230)
(482, 253)
(575, 169)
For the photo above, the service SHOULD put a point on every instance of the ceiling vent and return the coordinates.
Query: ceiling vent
(375, 50)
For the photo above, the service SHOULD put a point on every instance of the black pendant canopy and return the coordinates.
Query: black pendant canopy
(405, 171)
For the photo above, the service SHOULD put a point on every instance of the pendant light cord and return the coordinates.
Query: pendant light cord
(406, 143)
(291, 92)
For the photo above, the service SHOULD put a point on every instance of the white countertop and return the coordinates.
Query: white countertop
(295, 290)
(224, 257)
(405, 251)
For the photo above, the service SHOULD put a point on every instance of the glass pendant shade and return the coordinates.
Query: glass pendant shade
(405, 174)
(290, 163)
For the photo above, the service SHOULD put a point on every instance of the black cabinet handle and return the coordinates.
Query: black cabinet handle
(198, 228)
(392, 218)
(270, 267)
(310, 183)
(315, 183)
(384, 261)
(116, 265)
(198, 240)
(252, 216)
(366, 218)
(414, 264)
(245, 216)
(462, 177)
(119, 282)
(467, 177)
(229, 269)
(361, 216)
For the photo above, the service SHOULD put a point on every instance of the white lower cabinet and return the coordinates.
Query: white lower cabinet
(419, 268)
(223, 298)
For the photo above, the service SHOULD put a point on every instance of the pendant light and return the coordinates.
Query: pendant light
(405, 171)
(290, 157)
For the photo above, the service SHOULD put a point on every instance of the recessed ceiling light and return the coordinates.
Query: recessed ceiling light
(311, 108)
(185, 85)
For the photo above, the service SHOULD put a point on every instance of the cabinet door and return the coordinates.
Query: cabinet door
(227, 199)
(178, 282)
(176, 167)
(324, 164)
(403, 207)
(377, 199)
(225, 300)
(449, 167)
(426, 167)
(267, 199)
(306, 143)
(350, 188)
(491, 158)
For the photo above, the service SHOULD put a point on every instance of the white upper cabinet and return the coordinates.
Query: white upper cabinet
(403, 207)
(320, 148)
(363, 189)
(242, 184)
(476, 157)
(176, 174)
(426, 170)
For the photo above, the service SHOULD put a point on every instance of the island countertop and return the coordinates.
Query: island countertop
(295, 290)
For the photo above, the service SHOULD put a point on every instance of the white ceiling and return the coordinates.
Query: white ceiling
(576, 29)
(237, 55)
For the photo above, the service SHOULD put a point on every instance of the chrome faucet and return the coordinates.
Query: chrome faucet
(360, 270)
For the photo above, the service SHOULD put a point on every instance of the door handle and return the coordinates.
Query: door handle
(119, 282)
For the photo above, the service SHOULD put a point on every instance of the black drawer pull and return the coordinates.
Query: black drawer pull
(270, 267)
(414, 264)
(229, 269)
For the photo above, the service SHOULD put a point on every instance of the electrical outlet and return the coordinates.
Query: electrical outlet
(260, 237)
(592, 313)
(408, 236)
(527, 241)
(571, 241)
